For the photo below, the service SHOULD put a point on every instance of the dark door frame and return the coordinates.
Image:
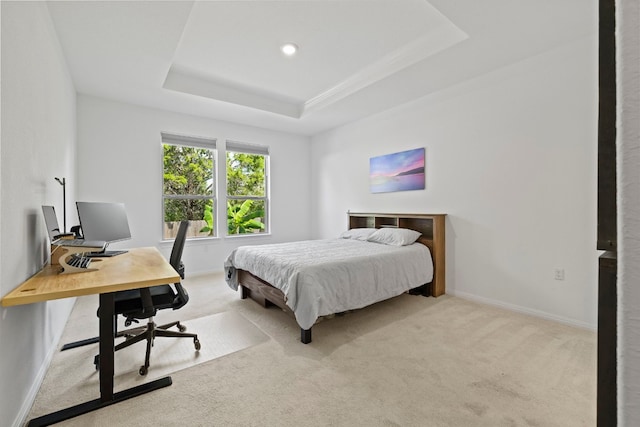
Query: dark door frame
(607, 213)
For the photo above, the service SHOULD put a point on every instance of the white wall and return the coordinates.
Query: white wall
(120, 160)
(511, 158)
(628, 143)
(38, 144)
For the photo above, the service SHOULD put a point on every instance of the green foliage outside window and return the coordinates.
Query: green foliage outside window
(187, 170)
(188, 177)
(188, 189)
(245, 174)
(208, 219)
(245, 177)
(244, 217)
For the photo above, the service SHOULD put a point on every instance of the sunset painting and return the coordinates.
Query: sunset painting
(401, 171)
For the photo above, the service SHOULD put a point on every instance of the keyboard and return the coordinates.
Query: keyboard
(79, 261)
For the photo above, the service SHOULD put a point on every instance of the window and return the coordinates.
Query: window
(189, 190)
(190, 187)
(247, 188)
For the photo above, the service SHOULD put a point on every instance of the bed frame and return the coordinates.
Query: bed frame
(431, 227)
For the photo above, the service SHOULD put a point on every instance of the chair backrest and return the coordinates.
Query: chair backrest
(178, 245)
(176, 261)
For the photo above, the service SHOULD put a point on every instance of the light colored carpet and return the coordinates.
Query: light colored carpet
(409, 361)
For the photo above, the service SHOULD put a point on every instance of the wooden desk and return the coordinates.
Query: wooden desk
(140, 267)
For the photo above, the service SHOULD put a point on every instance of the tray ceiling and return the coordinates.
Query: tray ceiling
(221, 59)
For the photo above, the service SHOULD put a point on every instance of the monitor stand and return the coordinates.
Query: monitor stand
(104, 253)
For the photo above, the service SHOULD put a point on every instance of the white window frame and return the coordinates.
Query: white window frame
(247, 148)
(196, 142)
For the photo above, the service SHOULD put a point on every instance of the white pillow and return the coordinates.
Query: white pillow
(357, 233)
(394, 236)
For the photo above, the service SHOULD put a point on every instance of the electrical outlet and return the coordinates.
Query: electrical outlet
(559, 274)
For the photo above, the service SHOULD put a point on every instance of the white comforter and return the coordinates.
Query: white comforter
(321, 277)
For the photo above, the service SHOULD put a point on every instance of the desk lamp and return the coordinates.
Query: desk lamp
(63, 182)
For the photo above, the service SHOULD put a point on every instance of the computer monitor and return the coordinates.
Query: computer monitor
(104, 221)
(51, 222)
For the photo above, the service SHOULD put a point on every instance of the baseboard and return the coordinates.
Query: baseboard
(523, 310)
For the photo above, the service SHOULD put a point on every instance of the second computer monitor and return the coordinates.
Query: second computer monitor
(103, 221)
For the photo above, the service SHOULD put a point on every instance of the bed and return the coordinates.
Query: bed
(380, 256)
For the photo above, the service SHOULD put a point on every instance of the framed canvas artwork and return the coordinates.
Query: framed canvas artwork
(401, 171)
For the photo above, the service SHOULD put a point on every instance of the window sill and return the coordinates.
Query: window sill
(247, 235)
(192, 241)
(208, 240)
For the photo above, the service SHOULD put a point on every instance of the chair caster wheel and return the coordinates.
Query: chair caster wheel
(96, 361)
(196, 343)
(181, 327)
(143, 370)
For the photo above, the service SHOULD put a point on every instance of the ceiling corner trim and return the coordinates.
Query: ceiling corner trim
(421, 48)
(187, 82)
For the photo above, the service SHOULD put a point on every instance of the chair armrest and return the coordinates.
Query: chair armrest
(147, 302)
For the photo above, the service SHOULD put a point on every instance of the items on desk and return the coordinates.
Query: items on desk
(63, 182)
(72, 259)
(141, 267)
(103, 221)
(104, 254)
(76, 230)
(69, 250)
(79, 261)
(66, 236)
(66, 239)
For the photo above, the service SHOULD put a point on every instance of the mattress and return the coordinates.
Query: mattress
(322, 277)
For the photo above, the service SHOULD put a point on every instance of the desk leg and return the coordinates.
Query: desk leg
(106, 329)
(107, 396)
(80, 343)
(87, 341)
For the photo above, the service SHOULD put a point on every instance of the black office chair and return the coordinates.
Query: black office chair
(144, 303)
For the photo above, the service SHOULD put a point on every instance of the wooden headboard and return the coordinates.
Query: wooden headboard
(431, 226)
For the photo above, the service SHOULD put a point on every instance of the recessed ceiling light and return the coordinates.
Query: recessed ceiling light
(289, 49)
